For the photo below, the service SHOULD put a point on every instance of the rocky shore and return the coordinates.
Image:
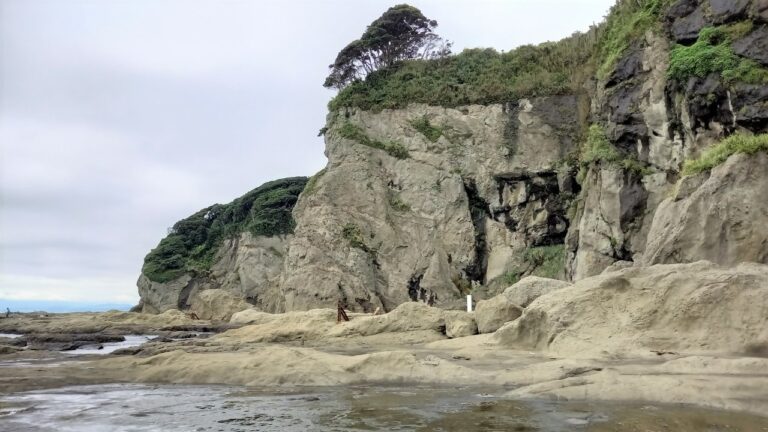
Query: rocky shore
(684, 334)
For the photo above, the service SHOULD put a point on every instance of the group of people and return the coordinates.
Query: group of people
(426, 297)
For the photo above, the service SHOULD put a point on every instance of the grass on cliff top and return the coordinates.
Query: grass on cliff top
(191, 243)
(486, 76)
(475, 76)
(627, 20)
(720, 152)
(712, 53)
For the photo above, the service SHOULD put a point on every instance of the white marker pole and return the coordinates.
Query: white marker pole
(469, 303)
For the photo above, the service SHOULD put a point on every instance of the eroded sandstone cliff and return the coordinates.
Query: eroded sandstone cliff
(426, 202)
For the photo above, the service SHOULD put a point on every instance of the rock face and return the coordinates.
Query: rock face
(719, 216)
(429, 204)
(216, 304)
(247, 266)
(643, 309)
(377, 230)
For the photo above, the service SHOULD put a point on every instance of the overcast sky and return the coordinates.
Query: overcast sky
(118, 118)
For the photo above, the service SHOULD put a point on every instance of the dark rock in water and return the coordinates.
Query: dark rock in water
(17, 342)
(8, 349)
(126, 351)
(754, 45)
(67, 342)
(207, 328)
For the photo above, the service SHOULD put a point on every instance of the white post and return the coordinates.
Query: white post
(469, 303)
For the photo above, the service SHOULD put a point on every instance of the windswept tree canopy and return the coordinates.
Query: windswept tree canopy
(401, 33)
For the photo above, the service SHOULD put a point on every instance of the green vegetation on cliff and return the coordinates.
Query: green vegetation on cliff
(192, 243)
(720, 152)
(542, 261)
(598, 149)
(475, 76)
(712, 53)
(627, 21)
(485, 76)
(426, 128)
(355, 133)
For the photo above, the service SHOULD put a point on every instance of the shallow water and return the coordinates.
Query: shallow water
(10, 335)
(139, 408)
(109, 347)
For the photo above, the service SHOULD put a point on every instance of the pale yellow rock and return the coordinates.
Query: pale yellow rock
(493, 313)
(532, 287)
(697, 307)
(460, 324)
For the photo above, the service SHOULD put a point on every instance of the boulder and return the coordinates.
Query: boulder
(493, 313)
(698, 307)
(68, 341)
(531, 288)
(460, 324)
(216, 304)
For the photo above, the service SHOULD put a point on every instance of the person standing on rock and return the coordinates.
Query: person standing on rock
(341, 314)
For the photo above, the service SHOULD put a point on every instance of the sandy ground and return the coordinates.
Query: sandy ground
(405, 346)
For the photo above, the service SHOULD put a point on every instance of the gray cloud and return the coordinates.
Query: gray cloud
(119, 118)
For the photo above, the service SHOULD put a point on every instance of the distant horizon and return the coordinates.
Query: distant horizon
(59, 306)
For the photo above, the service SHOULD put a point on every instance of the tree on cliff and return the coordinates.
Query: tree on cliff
(401, 33)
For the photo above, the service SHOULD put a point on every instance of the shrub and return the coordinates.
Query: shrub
(423, 125)
(510, 278)
(354, 237)
(712, 53)
(309, 189)
(397, 204)
(720, 152)
(191, 243)
(547, 261)
(599, 149)
(355, 133)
